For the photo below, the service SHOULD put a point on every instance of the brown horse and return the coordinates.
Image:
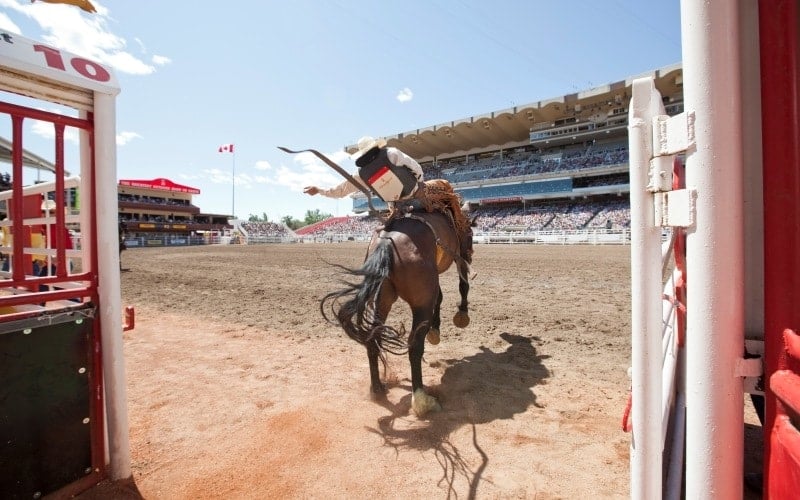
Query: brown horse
(404, 260)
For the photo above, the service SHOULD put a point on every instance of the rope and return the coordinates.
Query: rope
(626, 425)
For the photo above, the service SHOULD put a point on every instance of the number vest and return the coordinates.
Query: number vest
(387, 180)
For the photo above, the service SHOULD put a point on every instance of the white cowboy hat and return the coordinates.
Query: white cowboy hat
(365, 144)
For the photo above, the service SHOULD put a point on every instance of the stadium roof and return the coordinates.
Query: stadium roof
(28, 159)
(512, 127)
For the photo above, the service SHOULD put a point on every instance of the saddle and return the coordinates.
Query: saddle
(437, 195)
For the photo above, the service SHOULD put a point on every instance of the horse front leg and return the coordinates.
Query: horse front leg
(461, 319)
(421, 402)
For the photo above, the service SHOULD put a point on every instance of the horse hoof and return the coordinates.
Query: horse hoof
(461, 319)
(377, 391)
(422, 403)
(433, 336)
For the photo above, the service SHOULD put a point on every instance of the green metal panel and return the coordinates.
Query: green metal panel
(45, 403)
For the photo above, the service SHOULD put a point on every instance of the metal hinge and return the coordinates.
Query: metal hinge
(752, 367)
(675, 208)
(671, 135)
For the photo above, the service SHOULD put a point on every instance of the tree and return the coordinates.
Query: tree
(291, 222)
(256, 218)
(314, 216)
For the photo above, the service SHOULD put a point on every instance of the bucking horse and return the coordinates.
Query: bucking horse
(404, 260)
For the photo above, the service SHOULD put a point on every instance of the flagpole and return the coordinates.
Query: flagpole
(233, 184)
(231, 148)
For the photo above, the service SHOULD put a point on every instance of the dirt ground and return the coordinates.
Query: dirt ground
(237, 388)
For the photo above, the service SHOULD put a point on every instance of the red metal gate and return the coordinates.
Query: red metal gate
(51, 398)
(780, 87)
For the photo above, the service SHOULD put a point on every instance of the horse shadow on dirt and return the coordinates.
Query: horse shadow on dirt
(475, 390)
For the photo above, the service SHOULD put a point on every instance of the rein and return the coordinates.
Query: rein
(338, 169)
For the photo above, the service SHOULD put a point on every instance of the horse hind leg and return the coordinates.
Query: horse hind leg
(421, 402)
(461, 318)
(377, 388)
(433, 334)
(386, 297)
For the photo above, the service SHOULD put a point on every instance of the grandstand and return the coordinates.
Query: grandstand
(552, 171)
(159, 212)
(265, 232)
(334, 229)
(556, 166)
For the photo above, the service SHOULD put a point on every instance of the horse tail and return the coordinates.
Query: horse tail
(354, 307)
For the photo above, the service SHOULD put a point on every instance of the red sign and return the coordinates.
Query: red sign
(160, 184)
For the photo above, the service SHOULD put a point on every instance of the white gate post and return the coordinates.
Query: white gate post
(646, 291)
(715, 303)
(109, 285)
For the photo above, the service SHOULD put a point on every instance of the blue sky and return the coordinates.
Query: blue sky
(322, 73)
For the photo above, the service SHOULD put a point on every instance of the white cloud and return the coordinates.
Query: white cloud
(161, 60)
(305, 170)
(48, 131)
(218, 176)
(6, 24)
(243, 179)
(87, 35)
(308, 170)
(215, 176)
(124, 138)
(405, 95)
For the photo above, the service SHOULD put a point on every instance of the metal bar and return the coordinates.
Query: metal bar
(714, 251)
(106, 266)
(646, 307)
(45, 116)
(63, 268)
(18, 269)
(674, 482)
(780, 127)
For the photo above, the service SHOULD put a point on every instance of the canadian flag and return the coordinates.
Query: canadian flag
(226, 148)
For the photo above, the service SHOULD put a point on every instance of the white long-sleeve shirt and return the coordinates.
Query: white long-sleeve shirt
(396, 156)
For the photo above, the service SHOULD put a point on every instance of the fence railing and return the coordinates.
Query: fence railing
(551, 237)
(562, 237)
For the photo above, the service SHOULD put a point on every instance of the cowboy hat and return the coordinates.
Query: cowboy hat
(365, 144)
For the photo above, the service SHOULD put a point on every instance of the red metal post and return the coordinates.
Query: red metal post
(780, 102)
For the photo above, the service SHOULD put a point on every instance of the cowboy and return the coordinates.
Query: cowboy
(385, 170)
(396, 177)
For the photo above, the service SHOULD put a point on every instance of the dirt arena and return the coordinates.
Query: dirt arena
(238, 389)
